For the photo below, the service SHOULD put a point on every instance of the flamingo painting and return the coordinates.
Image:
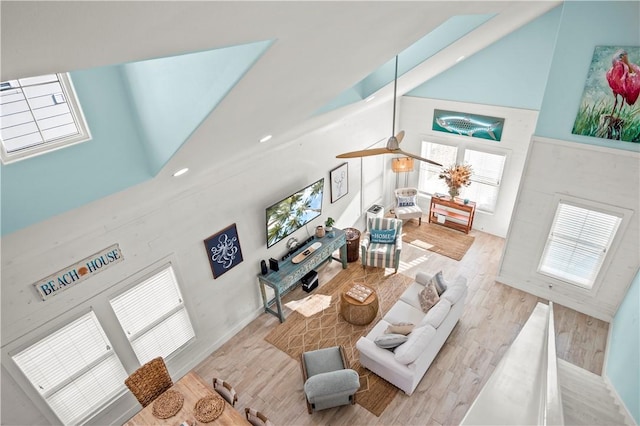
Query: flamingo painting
(609, 107)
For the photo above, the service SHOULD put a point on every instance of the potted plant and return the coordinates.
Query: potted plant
(328, 224)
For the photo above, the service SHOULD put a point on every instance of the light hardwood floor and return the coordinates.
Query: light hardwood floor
(271, 381)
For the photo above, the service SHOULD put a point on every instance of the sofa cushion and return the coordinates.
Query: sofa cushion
(455, 292)
(383, 236)
(403, 312)
(418, 341)
(390, 341)
(428, 297)
(436, 314)
(403, 328)
(410, 295)
(441, 284)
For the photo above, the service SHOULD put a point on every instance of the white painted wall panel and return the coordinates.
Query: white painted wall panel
(603, 175)
(416, 119)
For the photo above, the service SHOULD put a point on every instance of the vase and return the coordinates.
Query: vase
(453, 192)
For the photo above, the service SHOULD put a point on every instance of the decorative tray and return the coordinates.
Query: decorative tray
(359, 292)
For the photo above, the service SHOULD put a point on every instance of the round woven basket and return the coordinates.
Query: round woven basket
(167, 404)
(209, 408)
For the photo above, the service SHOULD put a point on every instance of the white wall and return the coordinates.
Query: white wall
(604, 175)
(155, 225)
(416, 119)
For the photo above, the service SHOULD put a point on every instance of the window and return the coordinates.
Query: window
(38, 115)
(578, 244)
(153, 316)
(74, 369)
(487, 173)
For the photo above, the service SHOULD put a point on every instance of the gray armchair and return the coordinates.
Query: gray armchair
(328, 380)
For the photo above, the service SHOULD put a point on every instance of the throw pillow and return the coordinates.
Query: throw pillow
(428, 297)
(441, 285)
(403, 328)
(390, 341)
(406, 201)
(383, 236)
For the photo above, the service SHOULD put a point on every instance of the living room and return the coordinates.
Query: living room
(166, 219)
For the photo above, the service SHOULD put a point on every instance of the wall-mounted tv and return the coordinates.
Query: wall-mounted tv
(295, 211)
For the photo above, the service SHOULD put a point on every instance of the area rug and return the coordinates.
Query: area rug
(300, 333)
(437, 238)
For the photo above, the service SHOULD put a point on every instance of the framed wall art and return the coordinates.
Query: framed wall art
(473, 125)
(223, 250)
(608, 107)
(339, 178)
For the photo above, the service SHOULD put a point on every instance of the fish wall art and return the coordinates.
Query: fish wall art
(473, 125)
(610, 108)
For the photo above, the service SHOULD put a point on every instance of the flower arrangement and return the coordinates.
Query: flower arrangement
(456, 176)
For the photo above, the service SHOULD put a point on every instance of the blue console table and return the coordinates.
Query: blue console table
(289, 273)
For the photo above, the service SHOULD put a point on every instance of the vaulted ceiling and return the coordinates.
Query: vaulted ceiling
(316, 61)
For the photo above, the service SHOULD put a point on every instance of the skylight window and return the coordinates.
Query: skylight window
(38, 115)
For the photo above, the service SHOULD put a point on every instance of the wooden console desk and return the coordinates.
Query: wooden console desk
(289, 274)
(457, 215)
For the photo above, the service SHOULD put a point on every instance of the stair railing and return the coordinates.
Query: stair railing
(553, 414)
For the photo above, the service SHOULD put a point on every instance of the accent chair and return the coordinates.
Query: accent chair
(328, 380)
(407, 205)
(149, 381)
(381, 244)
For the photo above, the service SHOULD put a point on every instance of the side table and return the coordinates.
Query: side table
(355, 312)
(353, 244)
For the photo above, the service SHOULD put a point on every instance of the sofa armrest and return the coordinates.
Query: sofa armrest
(344, 381)
(422, 278)
(378, 355)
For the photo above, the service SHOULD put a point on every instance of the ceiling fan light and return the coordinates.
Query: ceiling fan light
(402, 164)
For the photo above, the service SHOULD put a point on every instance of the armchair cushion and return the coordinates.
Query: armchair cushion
(406, 201)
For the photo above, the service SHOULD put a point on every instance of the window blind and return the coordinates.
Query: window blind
(429, 181)
(578, 243)
(153, 316)
(74, 369)
(486, 175)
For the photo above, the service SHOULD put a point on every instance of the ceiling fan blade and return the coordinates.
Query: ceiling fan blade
(400, 136)
(365, 153)
(417, 157)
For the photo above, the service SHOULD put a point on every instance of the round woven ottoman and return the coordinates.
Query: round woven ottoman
(356, 312)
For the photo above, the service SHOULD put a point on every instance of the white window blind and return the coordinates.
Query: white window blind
(38, 114)
(578, 244)
(429, 181)
(153, 316)
(485, 180)
(74, 369)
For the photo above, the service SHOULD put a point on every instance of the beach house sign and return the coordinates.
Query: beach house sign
(78, 272)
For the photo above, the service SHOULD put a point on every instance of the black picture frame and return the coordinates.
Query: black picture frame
(339, 181)
(223, 250)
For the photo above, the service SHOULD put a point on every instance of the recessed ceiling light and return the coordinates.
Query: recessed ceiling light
(370, 98)
(181, 172)
(460, 58)
(266, 138)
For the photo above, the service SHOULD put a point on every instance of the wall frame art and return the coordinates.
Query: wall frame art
(223, 250)
(339, 178)
(473, 125)
(610, 92)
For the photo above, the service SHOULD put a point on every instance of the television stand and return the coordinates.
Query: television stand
(289, 274)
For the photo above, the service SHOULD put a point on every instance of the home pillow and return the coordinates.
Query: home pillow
(383, 236)
(428, 297)
(455, 293)
(418, 342)
(403, 328)
(441, 284)
(406, 201)
(437, 314)
(390, 341)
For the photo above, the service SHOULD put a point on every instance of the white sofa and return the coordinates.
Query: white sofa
(405, 366)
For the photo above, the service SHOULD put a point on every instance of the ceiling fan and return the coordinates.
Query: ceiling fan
(393, 144)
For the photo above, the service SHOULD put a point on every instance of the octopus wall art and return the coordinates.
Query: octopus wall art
(223, 250)
(609, 108)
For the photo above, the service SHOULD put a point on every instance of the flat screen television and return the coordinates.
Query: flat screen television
(290, 214)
